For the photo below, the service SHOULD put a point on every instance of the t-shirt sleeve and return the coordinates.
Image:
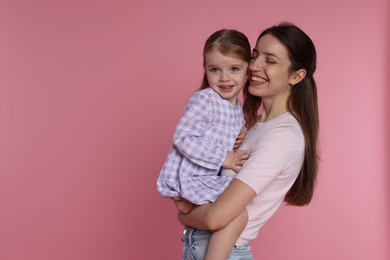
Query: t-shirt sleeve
(271, 156)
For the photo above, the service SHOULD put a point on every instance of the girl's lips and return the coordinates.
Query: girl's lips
(226, 88)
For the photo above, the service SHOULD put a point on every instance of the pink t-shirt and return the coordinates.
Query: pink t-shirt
(276, 152)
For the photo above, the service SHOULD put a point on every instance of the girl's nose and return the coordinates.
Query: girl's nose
(224, 77)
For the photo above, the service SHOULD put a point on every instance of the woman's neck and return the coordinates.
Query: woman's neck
(271, 111)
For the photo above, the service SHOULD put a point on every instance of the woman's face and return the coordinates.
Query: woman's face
(269, 70)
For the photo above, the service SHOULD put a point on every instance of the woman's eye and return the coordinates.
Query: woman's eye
(270, 61)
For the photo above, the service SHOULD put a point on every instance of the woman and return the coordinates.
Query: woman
(282, 143)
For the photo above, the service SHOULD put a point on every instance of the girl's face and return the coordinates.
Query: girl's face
(269, 70)
(226, 75)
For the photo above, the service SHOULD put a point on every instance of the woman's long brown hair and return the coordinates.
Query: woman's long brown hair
(302, 105)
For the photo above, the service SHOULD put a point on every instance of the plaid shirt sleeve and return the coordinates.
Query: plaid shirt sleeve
(189, 137)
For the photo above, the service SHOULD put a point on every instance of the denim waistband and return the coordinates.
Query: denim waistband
(195, 245)
(196, 233)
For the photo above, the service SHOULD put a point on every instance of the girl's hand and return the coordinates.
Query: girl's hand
(235, 160)
(183, 205)
(239, 138)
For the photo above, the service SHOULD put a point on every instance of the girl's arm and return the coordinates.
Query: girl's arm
(217, 215)
(189, 136)
(192, 140)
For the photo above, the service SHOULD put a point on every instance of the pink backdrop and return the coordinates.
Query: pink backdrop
(91, 91)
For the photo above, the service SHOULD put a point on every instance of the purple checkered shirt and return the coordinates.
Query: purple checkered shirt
(204, 135)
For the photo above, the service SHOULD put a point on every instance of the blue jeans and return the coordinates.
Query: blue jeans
(195, 245)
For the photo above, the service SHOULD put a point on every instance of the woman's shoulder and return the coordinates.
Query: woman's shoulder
(284, 127)
(289, 120)
(288, 125)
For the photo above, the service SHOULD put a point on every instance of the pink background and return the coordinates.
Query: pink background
(91, 91)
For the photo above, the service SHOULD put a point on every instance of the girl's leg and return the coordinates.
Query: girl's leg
(222, 241)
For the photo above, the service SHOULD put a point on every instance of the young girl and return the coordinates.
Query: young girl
(206, 135)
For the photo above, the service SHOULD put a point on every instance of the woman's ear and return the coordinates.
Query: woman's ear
(297, 76)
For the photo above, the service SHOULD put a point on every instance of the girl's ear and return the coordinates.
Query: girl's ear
(297, 76)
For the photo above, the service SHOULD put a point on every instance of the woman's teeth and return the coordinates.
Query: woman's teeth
(258, 79)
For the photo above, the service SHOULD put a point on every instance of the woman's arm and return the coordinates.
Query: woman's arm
(214, 216)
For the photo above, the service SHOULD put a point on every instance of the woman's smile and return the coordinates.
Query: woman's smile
(257, 81)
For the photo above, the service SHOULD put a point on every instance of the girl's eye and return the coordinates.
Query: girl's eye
(214, 70)
(235, 69)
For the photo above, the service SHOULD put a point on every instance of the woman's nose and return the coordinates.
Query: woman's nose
(255, 65)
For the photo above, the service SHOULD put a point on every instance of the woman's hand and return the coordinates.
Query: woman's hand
(183, 205)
